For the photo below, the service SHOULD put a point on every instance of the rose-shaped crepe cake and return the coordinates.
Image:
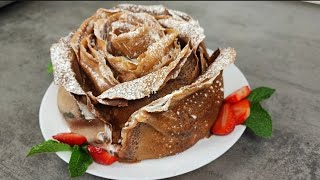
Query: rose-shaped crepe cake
(144, 74)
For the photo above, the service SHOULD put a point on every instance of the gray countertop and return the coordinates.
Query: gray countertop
(278, 45)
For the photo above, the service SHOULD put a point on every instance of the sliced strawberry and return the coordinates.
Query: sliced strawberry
(225, 122)
(101, 156)
(70, 138)
(238, 95)
(241, 110)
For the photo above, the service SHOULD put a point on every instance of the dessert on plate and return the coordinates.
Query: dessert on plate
(138, 81)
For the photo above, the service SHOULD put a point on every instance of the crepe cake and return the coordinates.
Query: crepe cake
(160, 110)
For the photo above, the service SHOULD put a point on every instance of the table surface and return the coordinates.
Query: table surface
(278, 45)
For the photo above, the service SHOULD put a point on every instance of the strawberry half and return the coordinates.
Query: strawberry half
(101, 156)
(238, 95)
(225, 122)
(70, 138)
(241, 110)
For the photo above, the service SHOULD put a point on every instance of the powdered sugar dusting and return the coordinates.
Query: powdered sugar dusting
(178, 15)
(63, 73)
(187, 27)
(145, 20)
(160, 45)
(134, 33)
(144, 86)
(136, 89)
(134, 18)
(124, 25)
(154, 9)
(226, 57)
(187, 30)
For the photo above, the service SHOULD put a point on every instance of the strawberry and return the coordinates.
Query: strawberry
(225, 122)
(238, 95)
(70, 138)
(241, 110)
(101, 156)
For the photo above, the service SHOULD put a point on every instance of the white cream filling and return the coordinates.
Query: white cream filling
(85, 112)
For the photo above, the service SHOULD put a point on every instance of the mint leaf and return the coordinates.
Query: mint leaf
(49, 146)
(50, 68)
(79, 162)
(260, 94)
(259, 121)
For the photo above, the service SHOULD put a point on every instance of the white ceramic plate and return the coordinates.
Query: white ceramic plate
(202, 153)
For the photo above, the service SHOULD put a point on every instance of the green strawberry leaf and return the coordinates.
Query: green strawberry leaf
(79, 162)
(50, 68)
(260, 94)
(49, 146)
(259, 121)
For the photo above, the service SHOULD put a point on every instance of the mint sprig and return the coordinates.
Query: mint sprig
(49, 146)
(259, 120)
(79, 162)
(50, 68)
(259, 94)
